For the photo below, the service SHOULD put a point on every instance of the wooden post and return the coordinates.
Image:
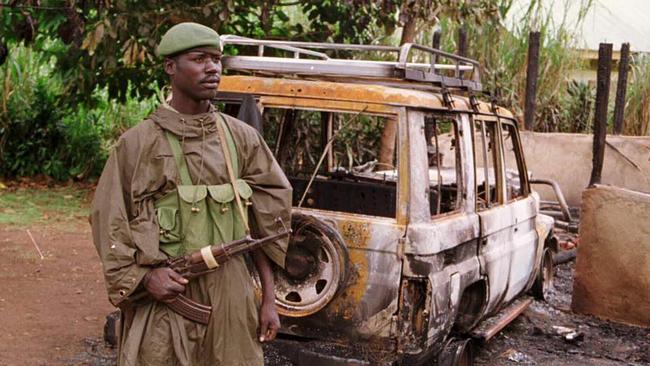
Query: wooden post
(462, 46)
(435, 43)
(532, 71)
(621, 89)
(600, 117)
(462, 41)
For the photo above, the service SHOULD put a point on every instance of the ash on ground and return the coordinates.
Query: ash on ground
(548, 333)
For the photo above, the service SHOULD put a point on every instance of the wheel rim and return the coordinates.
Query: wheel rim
(547, 272)
(312, 276)
(465, 355)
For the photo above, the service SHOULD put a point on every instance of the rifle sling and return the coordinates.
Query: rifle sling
(231, 174)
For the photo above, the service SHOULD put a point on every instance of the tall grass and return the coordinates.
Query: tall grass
(502, 51)
(637, 109)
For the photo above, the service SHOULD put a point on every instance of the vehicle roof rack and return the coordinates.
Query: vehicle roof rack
(309, 59)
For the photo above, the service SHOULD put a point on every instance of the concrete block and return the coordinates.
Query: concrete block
(612, 278)
(566, 158)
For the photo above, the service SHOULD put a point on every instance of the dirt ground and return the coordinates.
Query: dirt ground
(49, 306)
(536, 337)
(52, 312)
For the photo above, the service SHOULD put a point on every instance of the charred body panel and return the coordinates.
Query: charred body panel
(364, 306)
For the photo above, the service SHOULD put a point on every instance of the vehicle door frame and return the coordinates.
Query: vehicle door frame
(431, 241)
(373, 245)
(506, 260)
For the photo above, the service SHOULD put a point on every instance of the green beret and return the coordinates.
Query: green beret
(185, 36)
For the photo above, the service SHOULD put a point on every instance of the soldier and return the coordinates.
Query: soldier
(169, 188)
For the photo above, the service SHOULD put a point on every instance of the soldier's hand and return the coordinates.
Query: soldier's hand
(269, 322)
(164, 284)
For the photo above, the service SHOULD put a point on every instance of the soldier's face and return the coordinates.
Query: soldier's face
(196, 73)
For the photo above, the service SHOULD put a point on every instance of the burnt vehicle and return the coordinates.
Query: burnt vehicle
(406, 244)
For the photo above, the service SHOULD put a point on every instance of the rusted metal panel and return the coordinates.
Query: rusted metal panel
(448, 274)
(440, 251)
(468, 201)
(416, 146)
(415, 299)
(365, 306)
(330, 91)
(524, 246)
(327, 105)
(544, 227)
(335, 92)
(405, 181)
(493, 326)
(447, 232)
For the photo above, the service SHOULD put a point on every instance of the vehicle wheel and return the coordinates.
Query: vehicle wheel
(544, 281)
(316, 268)
(457, 352)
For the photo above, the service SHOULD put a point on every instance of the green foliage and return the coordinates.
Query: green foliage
(41, 134)
(578, 108)
(357, 142)
(28, 113)
(112, 43)
(91, 132)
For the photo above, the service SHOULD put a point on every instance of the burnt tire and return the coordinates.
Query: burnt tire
(544, 281)
(112, 328)
(316, 267)
(457, 352)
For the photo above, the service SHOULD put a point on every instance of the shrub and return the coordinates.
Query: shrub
(29, 114)
(41, 134)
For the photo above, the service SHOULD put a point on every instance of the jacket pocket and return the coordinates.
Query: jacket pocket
(224, 211)
(168, 218)
(168, 221)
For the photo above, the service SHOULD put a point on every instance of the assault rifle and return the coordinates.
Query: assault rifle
(206, 260)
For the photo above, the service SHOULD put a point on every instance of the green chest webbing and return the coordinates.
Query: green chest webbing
(193, 216)
(181, 164)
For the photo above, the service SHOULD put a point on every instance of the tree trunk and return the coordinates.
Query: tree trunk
(387, 149)
(409, 31)
(265, 16)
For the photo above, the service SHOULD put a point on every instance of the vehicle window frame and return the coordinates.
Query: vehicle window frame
(519, 157)
(399, 216)
(455, 120)
(497, 158)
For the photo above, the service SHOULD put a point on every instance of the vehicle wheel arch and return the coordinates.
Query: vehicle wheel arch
(471, 306)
